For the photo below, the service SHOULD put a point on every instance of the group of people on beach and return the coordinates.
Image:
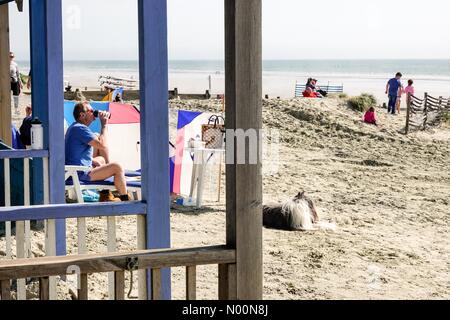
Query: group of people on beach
(312, 90)
(394, 90)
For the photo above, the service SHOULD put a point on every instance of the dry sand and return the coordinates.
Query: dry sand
(388, 194)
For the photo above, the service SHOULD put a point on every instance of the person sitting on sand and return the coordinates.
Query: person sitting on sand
(370, 117)
(109, 92)
(309, 93)
(317, 89)
(80, 142)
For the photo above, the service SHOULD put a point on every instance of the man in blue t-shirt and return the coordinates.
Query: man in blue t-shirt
(394, 91)
(80, 144)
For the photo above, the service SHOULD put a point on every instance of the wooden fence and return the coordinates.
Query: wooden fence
(22, 228)
(153, 260)
(426, 112)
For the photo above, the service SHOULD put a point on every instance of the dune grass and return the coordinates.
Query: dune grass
(362, 103)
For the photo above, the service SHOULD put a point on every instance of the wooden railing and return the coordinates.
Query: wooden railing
(22, 215)
(119, 263)
(425, 112)
(23, 234)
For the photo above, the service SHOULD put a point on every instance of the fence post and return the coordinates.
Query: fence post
(408, 109)
(425, 111)
(440, 104)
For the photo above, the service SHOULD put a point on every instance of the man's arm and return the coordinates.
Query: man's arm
(387, 87)
(101, 142)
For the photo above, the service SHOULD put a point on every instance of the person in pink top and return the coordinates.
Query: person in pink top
(409, 90)
(370, 117)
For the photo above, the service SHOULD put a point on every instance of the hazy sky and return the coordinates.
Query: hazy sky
(292, 29)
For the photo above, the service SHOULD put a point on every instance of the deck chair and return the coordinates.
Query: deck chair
(75, 187)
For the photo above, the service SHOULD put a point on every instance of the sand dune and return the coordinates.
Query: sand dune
(387, 193)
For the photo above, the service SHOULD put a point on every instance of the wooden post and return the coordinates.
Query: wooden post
(227, 282)
(119, 285)
(408, 110)
(243, 87)
(5, 81)
(5, 289)
(156, 284)
(191, 283)
(153, 72)
(83, 287)
(44, 288)
(425, 111)
(48, 101)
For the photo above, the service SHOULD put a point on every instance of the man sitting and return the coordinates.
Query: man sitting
(80, 143)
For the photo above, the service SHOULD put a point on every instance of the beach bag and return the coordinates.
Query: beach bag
(213, 132)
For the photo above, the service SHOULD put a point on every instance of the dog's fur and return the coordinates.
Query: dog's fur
(298, 214)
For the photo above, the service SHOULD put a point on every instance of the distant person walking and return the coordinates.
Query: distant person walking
(394, 90)
(16, 83)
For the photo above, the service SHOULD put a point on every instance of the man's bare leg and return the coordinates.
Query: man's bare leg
(111, 170)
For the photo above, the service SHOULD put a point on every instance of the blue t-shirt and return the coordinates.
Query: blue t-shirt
(394, 84)
(78, 150)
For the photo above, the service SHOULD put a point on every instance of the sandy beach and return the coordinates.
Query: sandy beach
(387, 193)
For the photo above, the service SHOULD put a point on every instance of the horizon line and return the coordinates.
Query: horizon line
(283, 59)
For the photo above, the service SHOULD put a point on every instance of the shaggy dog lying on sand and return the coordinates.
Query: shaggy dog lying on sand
(298, 214)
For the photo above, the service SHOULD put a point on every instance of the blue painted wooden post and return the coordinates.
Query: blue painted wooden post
(153, 66)
(48, 97)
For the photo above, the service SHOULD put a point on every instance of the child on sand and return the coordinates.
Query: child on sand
(409, 89)
(370, 117)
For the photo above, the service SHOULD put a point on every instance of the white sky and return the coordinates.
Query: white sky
(292, 29)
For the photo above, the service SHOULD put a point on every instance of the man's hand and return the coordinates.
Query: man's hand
(104, 117)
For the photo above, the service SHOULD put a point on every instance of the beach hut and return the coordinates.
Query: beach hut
(240, 258)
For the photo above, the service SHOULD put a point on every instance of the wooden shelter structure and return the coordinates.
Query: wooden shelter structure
(240, 259)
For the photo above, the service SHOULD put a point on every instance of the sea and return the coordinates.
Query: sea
(279, 76)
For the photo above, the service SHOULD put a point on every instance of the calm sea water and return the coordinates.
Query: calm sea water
(368, 68)
(279, 76)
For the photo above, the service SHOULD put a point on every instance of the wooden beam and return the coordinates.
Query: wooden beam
(66, 211)
(96, 263)
(48, 100)
(5, 80)
(243, 88)
(21, 154)
(153, 73)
